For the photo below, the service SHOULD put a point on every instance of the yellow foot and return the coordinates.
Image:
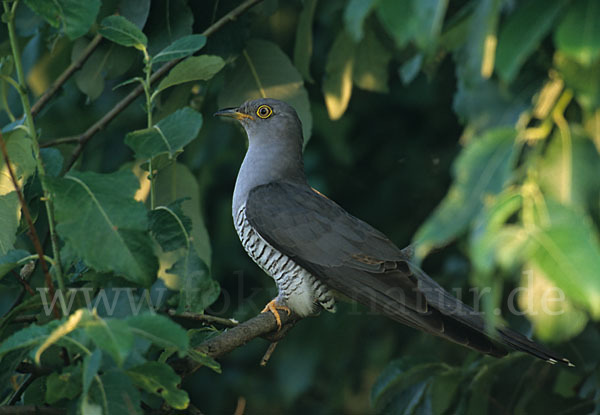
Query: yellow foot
(272, 306)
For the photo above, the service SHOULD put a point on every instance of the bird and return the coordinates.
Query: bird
(315, 250)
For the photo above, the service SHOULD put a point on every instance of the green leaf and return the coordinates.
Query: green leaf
(76, 16)
(9, 260)
(181, 48)
(90, 367)
(582, 79)
(205, 360)
(177, 182)
(554, 317)
(67, 325)
(264, 70)
(413, 20)
(568, 253)
(114, 391)
(354, 16)
(371, 64)
(486, 238)
(20, 153)
(570, 174)
(170, 227)
(120, 30)
(66, 385)
(401, 387)
(28, 337)
(480, 170)
(160, 379)
(112, 336)
(518, 38)
(108, 61)
(337, 85)
(113, 220)
(578, 34)
(397, 18)
(303, 46)
(168, 136)
(160, 331)
(197, 290)
(195, 68)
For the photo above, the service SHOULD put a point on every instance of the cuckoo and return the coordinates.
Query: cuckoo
(313, 248)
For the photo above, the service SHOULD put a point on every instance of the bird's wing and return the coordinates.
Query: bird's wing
(346, 253)
(355, 259)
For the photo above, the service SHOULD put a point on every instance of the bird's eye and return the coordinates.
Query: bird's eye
(264, 111)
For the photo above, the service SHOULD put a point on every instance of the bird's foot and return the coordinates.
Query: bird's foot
(273, 307)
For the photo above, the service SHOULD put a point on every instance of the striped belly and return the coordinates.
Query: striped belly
(298, 288)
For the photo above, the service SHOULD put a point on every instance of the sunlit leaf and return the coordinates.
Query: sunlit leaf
(20, 152)
(552, 314)
(371, 63)
(337, 85)
(567, 251)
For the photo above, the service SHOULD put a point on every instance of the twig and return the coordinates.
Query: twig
(262, 325)
(204, 318)
(84, 138)
(32, 231)
(67, 73)
(268, 354)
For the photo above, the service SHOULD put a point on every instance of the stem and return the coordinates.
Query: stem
(149, 98)
(32, 231)
(10, 23)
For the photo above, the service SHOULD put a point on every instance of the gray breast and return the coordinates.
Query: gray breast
(298, 289)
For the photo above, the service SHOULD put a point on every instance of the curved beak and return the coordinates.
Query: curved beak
(232, 113)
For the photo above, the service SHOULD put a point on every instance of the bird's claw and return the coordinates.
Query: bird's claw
(272, 306)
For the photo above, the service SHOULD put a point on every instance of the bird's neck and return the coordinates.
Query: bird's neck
(263, 166)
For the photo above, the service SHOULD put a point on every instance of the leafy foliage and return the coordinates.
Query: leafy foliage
(472, 126)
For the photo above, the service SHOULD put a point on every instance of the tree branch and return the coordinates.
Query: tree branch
(84, 138)
(32, 231)
(203, 318)
(67, 73)
(262, 325)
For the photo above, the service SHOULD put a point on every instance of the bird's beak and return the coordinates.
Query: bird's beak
(233, 113)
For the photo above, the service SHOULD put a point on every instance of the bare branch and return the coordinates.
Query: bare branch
(67, 73)
(204, 318)
(262, 325)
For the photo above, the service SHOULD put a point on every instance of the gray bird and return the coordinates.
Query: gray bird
(312, 247)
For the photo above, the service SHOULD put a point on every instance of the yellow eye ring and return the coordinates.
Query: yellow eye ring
(264, 111)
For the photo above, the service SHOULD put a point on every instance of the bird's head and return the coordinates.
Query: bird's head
(267, 121)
